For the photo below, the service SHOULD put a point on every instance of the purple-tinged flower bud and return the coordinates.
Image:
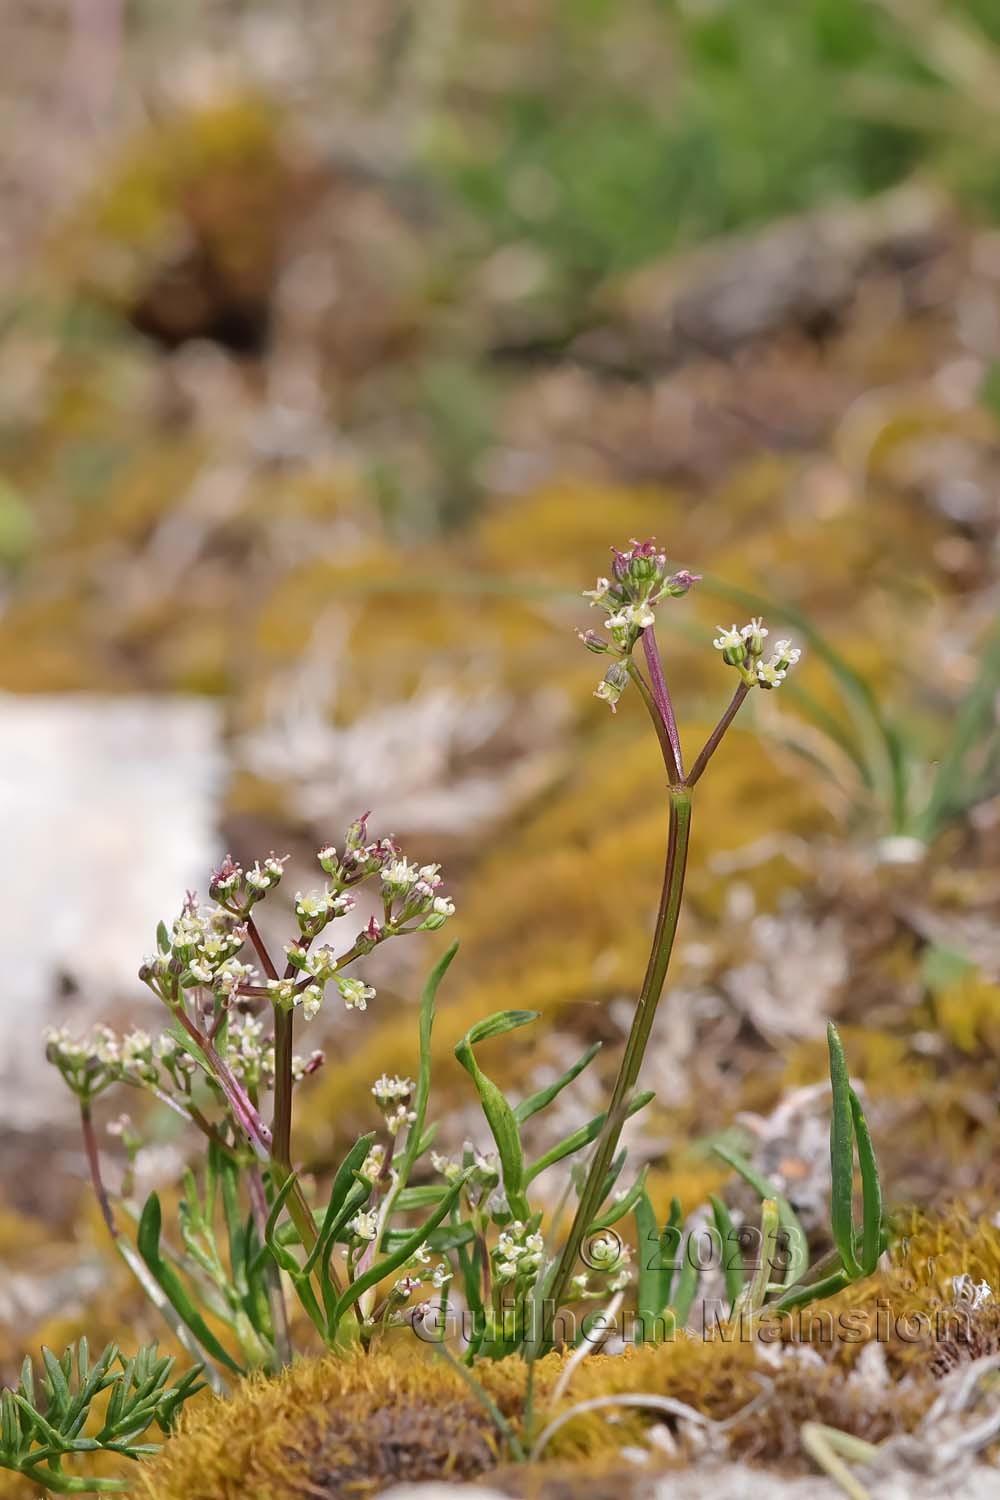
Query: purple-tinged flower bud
(593, 641)
(679, 583)
(357, 835)
(225, 880)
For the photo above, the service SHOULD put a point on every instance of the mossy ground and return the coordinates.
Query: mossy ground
(352, 1424)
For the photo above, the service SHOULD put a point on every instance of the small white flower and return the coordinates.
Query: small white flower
(441, 1275)
(373, 1163)
(391, 1087)
(231, 975)
(282, 992)
(399, 874)
(364, 1224)
(312, 999)
(322, 964)
(598, 595)
(104, 1045)
(727, 640)
(396, 1118)
(784, 651)
(310, 908)
(755, 628)
(769, 674)
(443, 906)
(200, 971)
(355, 993)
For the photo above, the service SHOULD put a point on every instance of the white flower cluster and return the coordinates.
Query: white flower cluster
(89, 1064)
(742, 647)
(640, 580)
(517, 1255)
(364, 1225)
(437, 1277)
(410, 891)
(202, 950)
(607, 1255)
(392, 1095)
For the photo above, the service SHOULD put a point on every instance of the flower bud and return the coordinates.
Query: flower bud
(593, 641)
(732, 645)
(679, 583)
(754, 634)
(612, 685)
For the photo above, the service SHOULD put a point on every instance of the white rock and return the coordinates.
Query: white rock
(108, 810)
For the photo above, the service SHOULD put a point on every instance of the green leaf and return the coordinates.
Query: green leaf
(499, 1115)
(841, 1155)
(686, 1286)
(59, 1397)
(581, 1138)
(653, 1290)
(544, 1097)
(150, 1226)
(498, 1024)
(449, 1237)
(798, 1296)
(798, 1259)
(390, 1263)
(338, 1209)
(420, 1197)
(732, 1253)
(621, 1206)
(871, 1190)
(414, 1139)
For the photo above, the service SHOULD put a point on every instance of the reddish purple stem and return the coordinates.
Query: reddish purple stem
(661, 697)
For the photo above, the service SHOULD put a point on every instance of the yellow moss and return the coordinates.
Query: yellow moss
(212, 167)
(351, 1424)
(968, 1014)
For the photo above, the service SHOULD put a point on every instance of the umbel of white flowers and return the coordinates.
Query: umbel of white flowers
(640, 581)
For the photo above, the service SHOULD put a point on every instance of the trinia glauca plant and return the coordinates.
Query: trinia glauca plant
(398, 1219)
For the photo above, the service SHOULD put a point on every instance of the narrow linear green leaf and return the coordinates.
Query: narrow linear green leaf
(170, 1283)
(345, 1180)
(582, 1137)
(731, 1250)
(545, 1096)
(841, 1155)
(499, 1115)
(871, 1190)
(621, 1206)
(798, 1245)
(428, 1001)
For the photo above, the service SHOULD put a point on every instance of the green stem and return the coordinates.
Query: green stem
(635, 1048)
(281, 1124)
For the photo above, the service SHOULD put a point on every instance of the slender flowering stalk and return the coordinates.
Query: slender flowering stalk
(715, 738)
(665, 708)
(641, 582)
